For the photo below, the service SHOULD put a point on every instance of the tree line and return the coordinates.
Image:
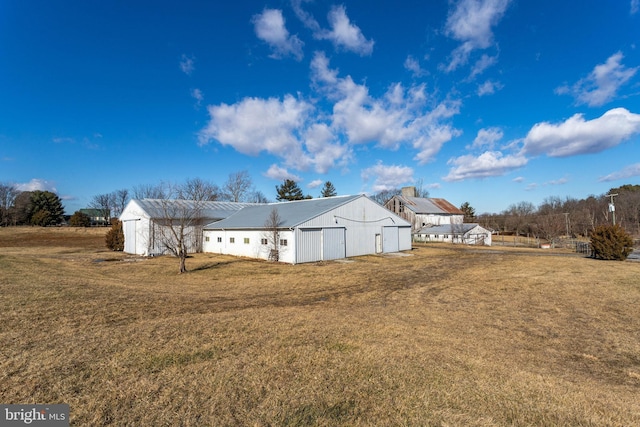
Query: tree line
(45, 208)
(556, 217)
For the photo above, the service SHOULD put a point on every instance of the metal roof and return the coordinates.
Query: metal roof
(157, 208)
(290, 213)
(448, 229)
(421, 205)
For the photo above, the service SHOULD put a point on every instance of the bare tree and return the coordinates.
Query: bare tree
(257, 197)
(272, 234)
(179, 227)
(420, 190)
(120, 199)
(198, 189)
(238, 186)
(383, 196)
(8, 194)
(149, 191)
(104, 204)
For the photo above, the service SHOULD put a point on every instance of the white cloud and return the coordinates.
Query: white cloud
(315, 183)
(387, 177)
(280, 174)
(270, 27)
(254, 125)
(626, 173)
(412, 64)
(635, 6)
(482, 64)
(487, 138)
(304, 16)
(401, 115)
(343, 34)
(470, 23)
(560, 181)
(187, 64)
(64, 140)
(602, 84)
(489, 88)
(488, 164)
(325, 151)
(197, 95)
(518, 179)
(37, 184)
(579, 136)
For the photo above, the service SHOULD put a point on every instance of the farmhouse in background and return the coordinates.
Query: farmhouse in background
(145, 222)
(309, 230)
(436, 220)
(96, 216)
(468, 233)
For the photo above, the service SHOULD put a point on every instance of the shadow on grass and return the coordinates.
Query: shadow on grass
(212, 265)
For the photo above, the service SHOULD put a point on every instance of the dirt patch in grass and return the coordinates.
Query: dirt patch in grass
(447, 336)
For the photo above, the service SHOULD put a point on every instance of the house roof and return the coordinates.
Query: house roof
(290, 213)
(421, 205)
(93, 212)
(158, 208)
(449, 229)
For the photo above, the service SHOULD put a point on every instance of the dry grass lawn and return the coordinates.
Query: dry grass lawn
(448, 336)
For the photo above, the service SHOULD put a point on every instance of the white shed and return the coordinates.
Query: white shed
(467, 233)
(310, 230)
(145, 221)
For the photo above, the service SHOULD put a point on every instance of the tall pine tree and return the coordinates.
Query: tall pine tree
(328, 190)
(288, 191)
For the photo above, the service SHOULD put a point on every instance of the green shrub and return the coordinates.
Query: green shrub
(611, 242)
(115, 236)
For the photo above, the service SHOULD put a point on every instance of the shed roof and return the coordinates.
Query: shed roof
(290, 213)
(421, 205)
(449, 229)
(157, 208)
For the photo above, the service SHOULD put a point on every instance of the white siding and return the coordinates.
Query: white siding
(390, 239)
(333, 243)
(135, 223)
(309, 245)
(232, 242)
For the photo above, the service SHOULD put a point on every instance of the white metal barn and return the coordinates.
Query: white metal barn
(310, 230)
(468, 233)
(145, 222)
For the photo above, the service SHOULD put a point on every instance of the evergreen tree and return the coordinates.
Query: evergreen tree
(45, 208)
(469, 212)
(328, 190)
(288, 191)
(115, 236)
(611, 242)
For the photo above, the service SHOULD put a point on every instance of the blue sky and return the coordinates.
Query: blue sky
(490, 102)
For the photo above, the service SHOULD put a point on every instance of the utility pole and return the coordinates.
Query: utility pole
(566, 222)
(612, 207)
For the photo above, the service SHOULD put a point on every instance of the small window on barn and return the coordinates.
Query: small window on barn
(219, 239)
(232, 239)
(264, 241)
(246, 240)
(206, 239)
(283, 242)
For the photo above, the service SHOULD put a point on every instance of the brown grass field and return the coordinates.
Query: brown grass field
(447, 336)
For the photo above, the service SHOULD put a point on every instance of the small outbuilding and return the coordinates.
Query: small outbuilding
(146, 223)
(309, 230)
(467, 233)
